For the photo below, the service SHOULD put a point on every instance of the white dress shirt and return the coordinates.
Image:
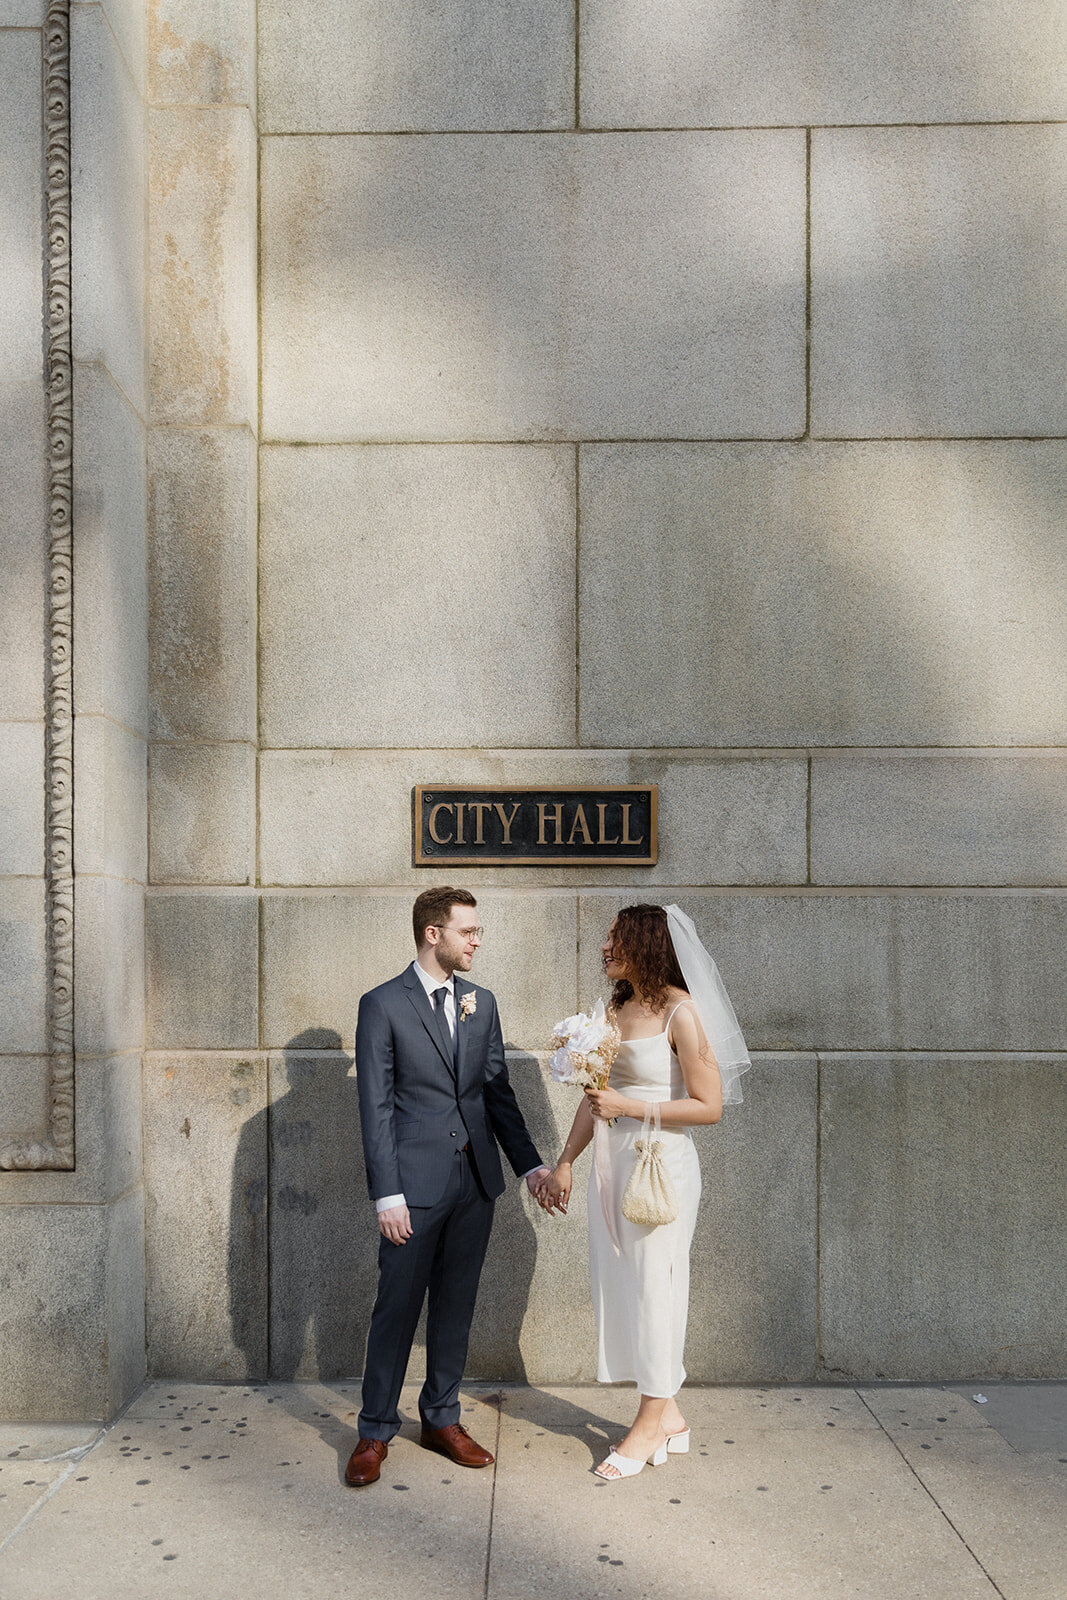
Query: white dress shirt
(430, 984)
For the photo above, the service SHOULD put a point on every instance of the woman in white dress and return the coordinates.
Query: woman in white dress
(678, 1029)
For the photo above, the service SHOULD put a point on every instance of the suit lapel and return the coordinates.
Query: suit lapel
(461, 1035)
(421, 1001)
(464, 1030)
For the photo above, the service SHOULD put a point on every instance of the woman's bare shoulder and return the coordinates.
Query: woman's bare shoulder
(684, 1017)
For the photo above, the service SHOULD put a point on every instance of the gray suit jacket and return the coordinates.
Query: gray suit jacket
(416, 1107)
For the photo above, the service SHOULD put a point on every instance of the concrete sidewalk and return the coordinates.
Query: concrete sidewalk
(201, 1490)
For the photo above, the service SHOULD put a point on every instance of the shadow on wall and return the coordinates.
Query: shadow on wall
(504, 1294)
(322, 1239)
(321, 1255)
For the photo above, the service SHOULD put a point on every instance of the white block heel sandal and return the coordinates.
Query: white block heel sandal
(678, 1443)
(627, 1467)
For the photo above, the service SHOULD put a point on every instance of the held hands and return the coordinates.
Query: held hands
(555, 1190)
(535, 1180)
(395, 1224)
(545, 1188)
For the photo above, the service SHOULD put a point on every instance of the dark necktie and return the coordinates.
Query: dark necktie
(439, 998)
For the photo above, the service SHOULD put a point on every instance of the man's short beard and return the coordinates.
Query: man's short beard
(448, 960)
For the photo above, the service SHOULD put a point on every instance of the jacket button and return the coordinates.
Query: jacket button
(452, 1135)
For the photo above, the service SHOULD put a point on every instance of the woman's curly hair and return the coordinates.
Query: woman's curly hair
(641, 941)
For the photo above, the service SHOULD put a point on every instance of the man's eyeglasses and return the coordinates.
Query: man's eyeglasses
(464, 933)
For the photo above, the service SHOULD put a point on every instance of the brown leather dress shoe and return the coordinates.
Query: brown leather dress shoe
(455, 1443)
(365, 1462)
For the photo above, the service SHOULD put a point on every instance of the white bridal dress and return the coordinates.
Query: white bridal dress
(640, 1277)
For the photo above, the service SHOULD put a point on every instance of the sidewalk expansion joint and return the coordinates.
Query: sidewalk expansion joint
(994, 1585)
(39, 1504)
(499, 1398)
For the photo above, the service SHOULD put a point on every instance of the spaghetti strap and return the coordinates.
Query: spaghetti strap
(686, 1002)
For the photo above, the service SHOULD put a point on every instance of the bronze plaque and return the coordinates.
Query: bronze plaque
(534, 827)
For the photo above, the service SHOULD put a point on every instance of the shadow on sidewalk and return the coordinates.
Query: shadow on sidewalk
(552, 1414)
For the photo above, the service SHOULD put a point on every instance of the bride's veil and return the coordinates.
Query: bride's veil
(708, 993)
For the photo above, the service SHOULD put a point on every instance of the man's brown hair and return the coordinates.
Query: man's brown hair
(433, 906)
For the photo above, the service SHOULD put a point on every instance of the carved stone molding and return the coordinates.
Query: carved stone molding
(56, 1149)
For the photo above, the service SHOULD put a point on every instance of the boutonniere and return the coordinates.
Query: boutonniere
(468, 1005)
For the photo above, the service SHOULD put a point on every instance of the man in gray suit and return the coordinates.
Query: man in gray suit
(434, 1101)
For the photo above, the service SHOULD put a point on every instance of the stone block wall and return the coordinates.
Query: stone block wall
(573, 393)
(73, 835)
(646, 394)
(205, 1149)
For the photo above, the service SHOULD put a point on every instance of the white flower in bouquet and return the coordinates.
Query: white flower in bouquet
(583, 1048)
(559, 1065)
